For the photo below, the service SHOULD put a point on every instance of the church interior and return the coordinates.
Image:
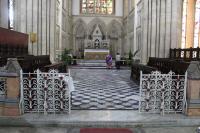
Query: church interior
(138, 59)
(145, 28)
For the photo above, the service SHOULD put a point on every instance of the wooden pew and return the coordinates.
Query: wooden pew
(136, 68)
(13, 43)
(164, 65)
(60, 66)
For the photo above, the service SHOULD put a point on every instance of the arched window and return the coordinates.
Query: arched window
(97, 7)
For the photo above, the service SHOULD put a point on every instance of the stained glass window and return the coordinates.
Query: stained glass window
(97, 6)
(11, 14)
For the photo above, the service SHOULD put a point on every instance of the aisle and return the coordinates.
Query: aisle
(104, 89)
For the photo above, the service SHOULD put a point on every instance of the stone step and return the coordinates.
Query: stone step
(86, 67)
(93, 63)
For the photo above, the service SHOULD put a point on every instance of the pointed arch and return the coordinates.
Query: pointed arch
(80, 29)
(100, 23)
(115, 29)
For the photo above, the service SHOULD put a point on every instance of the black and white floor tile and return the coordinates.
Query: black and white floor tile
(104, 89)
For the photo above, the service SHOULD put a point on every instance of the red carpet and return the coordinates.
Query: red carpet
(105, 130)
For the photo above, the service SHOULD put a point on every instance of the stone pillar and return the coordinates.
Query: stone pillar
(199, 36)
(119, 46)
(193, 89)
(74, 44)
(190, 23)
(4, 16)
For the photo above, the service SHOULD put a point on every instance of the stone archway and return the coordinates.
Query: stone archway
(80, 33)
(92, 25)
(115, 32)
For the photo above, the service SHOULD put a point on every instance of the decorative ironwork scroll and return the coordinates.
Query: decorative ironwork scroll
(45, 92)
(160, 93)
(2, 87)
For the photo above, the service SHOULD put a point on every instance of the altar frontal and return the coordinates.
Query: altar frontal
(96, 54)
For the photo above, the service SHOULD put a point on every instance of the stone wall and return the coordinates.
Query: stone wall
(4, 13)
(49, 19)
(161, 24)
(157, 27)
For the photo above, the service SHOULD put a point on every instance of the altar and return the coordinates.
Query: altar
(95, 54)
(96, 45)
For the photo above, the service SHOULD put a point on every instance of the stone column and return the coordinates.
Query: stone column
(199, 36)
(193, 89)
(4, 16)
(119, 46)
(144, 49)
(190, 23)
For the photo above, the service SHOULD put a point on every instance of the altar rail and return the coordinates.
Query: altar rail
(188, 54)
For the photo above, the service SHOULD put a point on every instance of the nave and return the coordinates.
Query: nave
(104, 89)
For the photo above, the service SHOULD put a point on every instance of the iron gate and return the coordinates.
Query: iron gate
(160, 93)
(45, 92)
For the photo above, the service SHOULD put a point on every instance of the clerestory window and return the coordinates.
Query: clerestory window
(97, 7)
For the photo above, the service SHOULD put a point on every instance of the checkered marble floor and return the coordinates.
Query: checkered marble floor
(104, 89)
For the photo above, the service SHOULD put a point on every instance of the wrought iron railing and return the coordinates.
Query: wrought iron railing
(45, 92)
(2, 87)
(162, 93)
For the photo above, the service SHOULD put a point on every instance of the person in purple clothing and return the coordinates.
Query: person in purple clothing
(109, 61)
